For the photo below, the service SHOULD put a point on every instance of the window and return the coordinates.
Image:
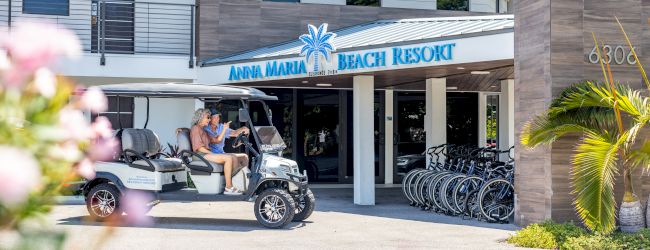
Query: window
(47, 7)
(126, 112)
(453, 5)
(363, 2)
(118, 34)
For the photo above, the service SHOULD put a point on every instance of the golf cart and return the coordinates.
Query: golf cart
(275, 184)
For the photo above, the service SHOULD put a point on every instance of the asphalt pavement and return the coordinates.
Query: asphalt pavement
(336, 224)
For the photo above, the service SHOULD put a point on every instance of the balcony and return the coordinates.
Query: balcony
(120, 38)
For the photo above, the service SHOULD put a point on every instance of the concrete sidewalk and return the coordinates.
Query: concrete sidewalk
(336, 224)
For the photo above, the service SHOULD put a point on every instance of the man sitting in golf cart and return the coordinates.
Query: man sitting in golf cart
(201, 145)
(218, 133)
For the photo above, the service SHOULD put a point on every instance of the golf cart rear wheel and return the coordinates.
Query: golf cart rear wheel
(305, 206)
(275, 208)
(103, 202)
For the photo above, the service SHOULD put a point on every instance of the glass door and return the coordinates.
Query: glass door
(320, 134)
(409, 137)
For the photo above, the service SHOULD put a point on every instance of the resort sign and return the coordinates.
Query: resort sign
(317, 58)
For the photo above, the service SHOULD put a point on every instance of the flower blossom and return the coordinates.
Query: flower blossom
(74, 125)
(20, 175)
(94, 100)
(134, 204)
(31, 46)
(86, 169)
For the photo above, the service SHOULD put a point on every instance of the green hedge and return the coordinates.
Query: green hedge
(550, 235)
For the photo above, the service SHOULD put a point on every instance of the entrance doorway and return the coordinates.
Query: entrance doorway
(319, 132)
(408, 126)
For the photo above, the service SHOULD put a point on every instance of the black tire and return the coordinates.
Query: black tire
(103, 202)
(274, 202)
(305, 206)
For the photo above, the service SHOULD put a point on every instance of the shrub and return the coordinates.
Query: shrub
(552, 235)
(640, 240)
(535, 236)
(590, 242)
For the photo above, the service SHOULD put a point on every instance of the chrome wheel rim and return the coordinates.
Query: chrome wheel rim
(102, 203)
(272, 209)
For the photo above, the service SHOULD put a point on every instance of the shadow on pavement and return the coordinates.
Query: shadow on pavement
(189, 223)
(390, 203)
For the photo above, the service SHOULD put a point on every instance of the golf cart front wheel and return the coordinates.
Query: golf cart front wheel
(103, 202)
(305, 206)
(274, 208)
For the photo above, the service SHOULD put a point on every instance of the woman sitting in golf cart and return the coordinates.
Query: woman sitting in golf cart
(218, 133)
(201, 145)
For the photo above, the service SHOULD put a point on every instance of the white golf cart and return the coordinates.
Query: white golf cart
(276, 184)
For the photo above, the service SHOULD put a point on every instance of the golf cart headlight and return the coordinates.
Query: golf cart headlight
(286, 168)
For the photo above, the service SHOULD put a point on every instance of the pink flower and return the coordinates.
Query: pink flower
(103, 149)
(74, 124)
(45, 82)
(102, 127)
(68, 151)
(134, 204)
(20, 175)
(85, 169)
(94, 100)
(34, 45)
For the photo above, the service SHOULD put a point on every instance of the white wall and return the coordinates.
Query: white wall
(410, 4)
(489, 6)
(130, 66)
(334, 2)
(165, 116)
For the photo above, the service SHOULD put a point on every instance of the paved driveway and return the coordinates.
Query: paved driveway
(336, 224)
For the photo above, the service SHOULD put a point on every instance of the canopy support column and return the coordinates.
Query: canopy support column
(363, 133)
(435, 120)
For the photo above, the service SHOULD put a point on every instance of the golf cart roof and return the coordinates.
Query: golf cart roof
(184, 90)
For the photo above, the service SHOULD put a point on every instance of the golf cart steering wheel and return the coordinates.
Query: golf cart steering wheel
(241, 138)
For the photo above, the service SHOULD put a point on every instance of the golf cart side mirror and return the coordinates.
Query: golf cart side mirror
(243, 115)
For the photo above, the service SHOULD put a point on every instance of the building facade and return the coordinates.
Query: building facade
(326, 119)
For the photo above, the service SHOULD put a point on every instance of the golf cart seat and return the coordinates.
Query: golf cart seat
(141, 150)
(195, 162)
(207, 176)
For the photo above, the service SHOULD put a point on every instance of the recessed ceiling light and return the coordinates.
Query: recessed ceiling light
(305, 81)
(480, 72)
(452, 88)
(324, 84)
(460, 68)
(493, 86)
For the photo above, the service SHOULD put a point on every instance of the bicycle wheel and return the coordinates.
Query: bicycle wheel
(406, 183)
(464, 187)
(436, 186)
(448, 190)
(496, 200)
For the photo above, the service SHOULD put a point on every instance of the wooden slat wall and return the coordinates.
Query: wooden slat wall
(532, 96)
(230, 26)
(562, 29)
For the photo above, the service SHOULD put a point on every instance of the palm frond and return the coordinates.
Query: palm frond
(640, 156)
(546, 129)
(324, 53)
(312, 32)
(594, 166)
(321, 29)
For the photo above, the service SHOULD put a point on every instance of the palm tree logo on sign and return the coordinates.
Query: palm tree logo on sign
(317, 42)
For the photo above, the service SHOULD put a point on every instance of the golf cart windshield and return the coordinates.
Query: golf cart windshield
(270, 139)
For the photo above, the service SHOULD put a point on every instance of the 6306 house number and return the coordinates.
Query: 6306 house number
(618, 54)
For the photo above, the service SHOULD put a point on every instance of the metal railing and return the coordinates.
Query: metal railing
(115, 26)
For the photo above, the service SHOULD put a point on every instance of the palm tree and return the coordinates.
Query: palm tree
(588, 109)
(317, 42)
(608, 117)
